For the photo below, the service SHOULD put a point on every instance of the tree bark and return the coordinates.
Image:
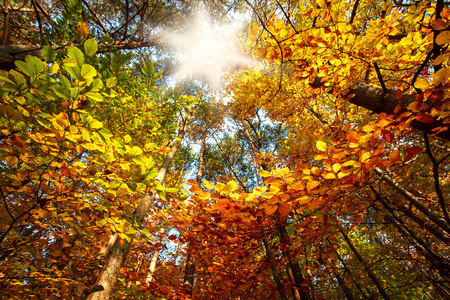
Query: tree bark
(300, 282)
(378, 101)
(154, 260)
(10, 53)
(116, 257)
(275, 273)
(438, 220)
(189, 269)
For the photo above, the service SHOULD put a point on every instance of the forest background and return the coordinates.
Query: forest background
(317, 169)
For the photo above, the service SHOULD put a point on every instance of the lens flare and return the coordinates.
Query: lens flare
(206, 50)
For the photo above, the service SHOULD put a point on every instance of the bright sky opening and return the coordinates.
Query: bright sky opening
(206, 50)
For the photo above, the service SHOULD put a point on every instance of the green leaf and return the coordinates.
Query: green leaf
(136, 151)
(111, 82)
(88, 71)
(32, 66)
(172, 190)
(94, 96)
(97, 84)
(90, 47)
(76, 54)
(131, 187)
(74, 71)
(106, 134)
(48, 53)
(163, 196)
(152, 174)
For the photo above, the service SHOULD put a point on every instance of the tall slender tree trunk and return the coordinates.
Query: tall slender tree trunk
(293, 266)
(358, 286)
(276, 275)
(154, 260)
(189, 270)
(116, 257)
(436, 218)
(366, 267)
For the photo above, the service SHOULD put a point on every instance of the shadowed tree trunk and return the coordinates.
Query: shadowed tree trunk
(366, 267)
(189, 270)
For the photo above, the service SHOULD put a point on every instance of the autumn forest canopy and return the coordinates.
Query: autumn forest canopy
(236, 150)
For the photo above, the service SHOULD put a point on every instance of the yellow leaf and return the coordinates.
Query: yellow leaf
(440, 76)
(322, 146)
(443, 38)
(232, 186)
(343, 174)
(83, 29)
(315, 171)
(329, 176)
(312, 184)
(204, 195)
(265, 173)
(365, 157)
(207, 184)
(336, 167)
(219, 187)
(281, 172)
(303, 199)
(422, 84)
(368, 128)
(296, 186)
(320, 157)
(353, 145)
(258, 190)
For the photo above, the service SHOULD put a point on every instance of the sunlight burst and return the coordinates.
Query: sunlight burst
(206, 50)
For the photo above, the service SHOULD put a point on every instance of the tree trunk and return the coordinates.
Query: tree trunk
(10, 53)
(189, 269)
(434, 258)
(275, 273)
(378, 101)
(366, 266)
(294, 267)
(154, 260)
(118, 253)
(438, 220)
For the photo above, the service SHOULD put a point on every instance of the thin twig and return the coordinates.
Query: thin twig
(437, 187)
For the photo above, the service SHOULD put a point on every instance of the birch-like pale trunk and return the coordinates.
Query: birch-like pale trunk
(118, 253)
(189, 270)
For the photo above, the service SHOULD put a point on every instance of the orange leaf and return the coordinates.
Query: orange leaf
(271, 209)
(312, 184)
(284, 209)
(83, 29)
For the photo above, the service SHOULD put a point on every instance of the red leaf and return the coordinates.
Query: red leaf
(425, 118)
(387, 135)
(398, 94)
(411, 152)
